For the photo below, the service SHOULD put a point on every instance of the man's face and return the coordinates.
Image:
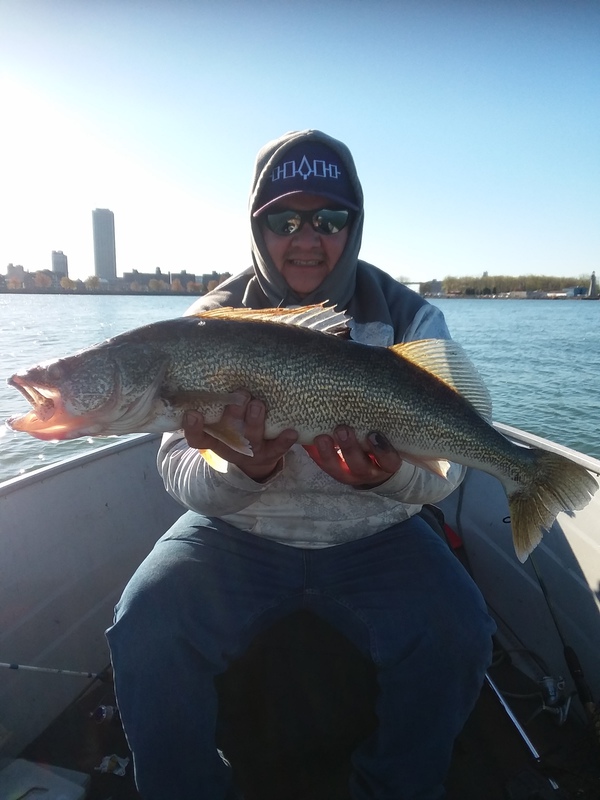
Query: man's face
(306, 257)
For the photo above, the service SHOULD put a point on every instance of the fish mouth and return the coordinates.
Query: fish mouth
(43, 403)
(47, 420)
(53, 417)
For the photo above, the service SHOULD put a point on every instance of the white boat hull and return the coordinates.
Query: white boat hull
(71, 535)
(568, 561)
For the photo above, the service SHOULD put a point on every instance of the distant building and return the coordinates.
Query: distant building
(593, 290)
(183, 277)
(575, 291)
(105, 256)
(60, 264)
(144, 280)
(16, 272)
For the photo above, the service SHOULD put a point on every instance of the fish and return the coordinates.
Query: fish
(426, 397)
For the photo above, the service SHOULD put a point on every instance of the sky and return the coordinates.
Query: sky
(474, 125)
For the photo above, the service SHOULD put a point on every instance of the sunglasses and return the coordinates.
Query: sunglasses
(325, 221)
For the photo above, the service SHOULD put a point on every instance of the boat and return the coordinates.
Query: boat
(73, 533)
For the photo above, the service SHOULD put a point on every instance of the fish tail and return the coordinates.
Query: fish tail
(552, 484)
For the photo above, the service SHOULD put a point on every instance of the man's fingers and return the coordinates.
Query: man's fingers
(278, 447)
(254, 417)
(385, 455)
(345, 459)
(193, 429)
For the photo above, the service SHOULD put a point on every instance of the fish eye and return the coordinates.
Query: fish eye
(54, 371)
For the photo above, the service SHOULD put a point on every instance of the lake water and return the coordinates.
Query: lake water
(539, 358)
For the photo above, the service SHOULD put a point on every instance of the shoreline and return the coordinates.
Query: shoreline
(129, 293)
(502, 297)
(100, 293)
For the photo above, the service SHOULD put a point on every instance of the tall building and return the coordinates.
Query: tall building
(60, 264)
(105, 257)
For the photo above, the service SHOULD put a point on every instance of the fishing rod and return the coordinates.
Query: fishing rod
(572, 660)
(455, 540)
(584, 693)
(100, 676)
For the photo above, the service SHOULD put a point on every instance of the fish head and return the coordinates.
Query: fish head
(99, 391)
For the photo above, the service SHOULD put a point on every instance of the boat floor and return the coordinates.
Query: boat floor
(491, 761)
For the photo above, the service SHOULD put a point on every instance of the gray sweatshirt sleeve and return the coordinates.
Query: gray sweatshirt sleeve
(197, 486)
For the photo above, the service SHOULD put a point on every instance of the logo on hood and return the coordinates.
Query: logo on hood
(306, 168)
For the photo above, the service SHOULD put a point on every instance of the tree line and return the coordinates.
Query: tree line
(44, 280)
(489, 285)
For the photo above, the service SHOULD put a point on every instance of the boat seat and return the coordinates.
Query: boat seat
(293, 709)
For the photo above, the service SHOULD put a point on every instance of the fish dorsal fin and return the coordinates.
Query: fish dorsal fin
(449, 363)
(317, 317)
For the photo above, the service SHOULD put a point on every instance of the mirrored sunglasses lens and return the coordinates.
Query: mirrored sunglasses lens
(284, 223)
(329, 221)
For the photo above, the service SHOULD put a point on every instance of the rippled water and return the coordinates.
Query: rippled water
(540, 359)
(38, 327)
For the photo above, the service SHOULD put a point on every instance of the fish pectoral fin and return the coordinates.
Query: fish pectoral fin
(319, 317)
(213, 460)
(447, 361)
(439, 466)
(230, 434)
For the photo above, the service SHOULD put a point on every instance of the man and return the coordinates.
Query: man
(331, 528)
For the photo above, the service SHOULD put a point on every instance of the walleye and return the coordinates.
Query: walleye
(425, 396)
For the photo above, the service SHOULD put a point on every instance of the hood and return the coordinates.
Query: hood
(338, 287)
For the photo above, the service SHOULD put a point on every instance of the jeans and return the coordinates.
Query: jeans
(207, 589)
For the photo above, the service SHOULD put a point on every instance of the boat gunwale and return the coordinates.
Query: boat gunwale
(64, 464)
(532, 440)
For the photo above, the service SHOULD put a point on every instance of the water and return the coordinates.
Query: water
(540, 360)
(38, 327)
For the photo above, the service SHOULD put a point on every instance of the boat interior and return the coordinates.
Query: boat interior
(297, 703)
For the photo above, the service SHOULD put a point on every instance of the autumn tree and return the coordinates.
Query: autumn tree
(157, 285)
(42, 280)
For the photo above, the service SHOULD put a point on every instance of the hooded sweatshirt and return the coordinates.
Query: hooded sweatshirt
(300, 505)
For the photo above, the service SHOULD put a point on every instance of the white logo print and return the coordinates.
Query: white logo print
(318, 168)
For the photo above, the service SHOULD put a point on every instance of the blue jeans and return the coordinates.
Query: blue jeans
(207, 589)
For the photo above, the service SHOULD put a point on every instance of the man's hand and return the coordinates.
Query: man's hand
(250, 416)
(345, 459)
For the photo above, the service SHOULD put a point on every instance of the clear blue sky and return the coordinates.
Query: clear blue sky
(475, 127)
